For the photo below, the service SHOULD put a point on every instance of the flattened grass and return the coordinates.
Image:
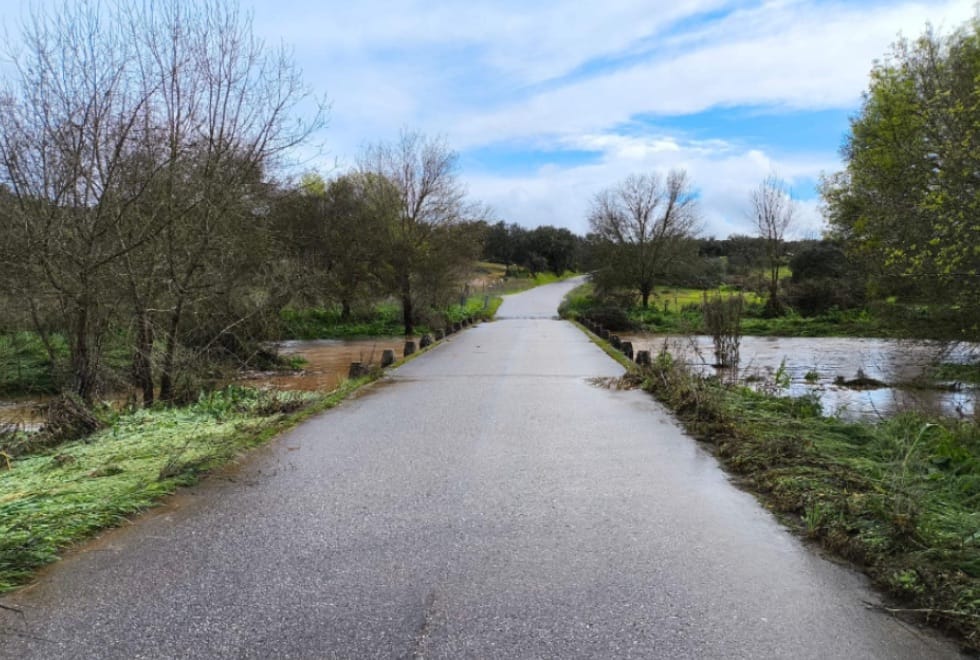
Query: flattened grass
(50, 500)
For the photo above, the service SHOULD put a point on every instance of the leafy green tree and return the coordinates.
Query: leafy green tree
(908, 201)
(504, 244)
(556, 247)
(336, 229)
(426, 246)
(822, 279)
(744, 254)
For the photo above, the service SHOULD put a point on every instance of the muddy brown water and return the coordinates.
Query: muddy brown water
(327, 361)
(327, 364)
(21, 410)
(903, 365)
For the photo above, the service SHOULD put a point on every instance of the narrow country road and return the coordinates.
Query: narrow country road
(486, 500)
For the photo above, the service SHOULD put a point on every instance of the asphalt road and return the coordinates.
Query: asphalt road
(488, 501)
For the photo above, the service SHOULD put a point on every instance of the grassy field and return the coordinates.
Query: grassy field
(675, 310)
(25, 366)
(900, 498)
(383, 320)
(488, 284)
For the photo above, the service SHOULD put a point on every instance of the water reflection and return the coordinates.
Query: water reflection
(810, 365)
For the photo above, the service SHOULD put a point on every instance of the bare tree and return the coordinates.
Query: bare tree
(416, 176)
(773, 210)
(137, 140)
(641, 225)
(67, 119)
(224, 111)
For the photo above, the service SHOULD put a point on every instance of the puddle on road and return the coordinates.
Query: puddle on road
(327, 364)
(811, 365)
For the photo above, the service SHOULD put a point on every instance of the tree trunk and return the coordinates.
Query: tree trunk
(81, 357)
(169, 356)
(407, 311)
(773, 306)
(143, 358)
(645, 296)
(345, 310)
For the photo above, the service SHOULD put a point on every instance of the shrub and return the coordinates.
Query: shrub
(611, 317)
(723, 321)
(817, 296)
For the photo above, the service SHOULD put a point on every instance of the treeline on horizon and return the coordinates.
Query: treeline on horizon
(820, 277)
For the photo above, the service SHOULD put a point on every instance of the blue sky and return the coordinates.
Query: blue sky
(548, 102)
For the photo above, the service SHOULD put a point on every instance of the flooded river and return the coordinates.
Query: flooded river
(812, 365)
(327, 364)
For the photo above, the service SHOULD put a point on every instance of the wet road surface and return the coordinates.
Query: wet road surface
(485, 501)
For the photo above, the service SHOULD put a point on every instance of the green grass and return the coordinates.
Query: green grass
(385, 318)
(25, 366)
(476, 307)
(851, 323)
(675, 310)
(901, 498)
(386, 321)
(50, 500)
(964, 373)
(608, 348)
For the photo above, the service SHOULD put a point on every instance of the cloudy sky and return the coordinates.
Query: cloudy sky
(551, 100)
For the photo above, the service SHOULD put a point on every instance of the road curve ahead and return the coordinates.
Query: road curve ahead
(487, 500)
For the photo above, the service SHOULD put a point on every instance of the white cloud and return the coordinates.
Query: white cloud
(789, 55)
(557, 75)
(554, 75)
(527, 42)
(724, 177)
